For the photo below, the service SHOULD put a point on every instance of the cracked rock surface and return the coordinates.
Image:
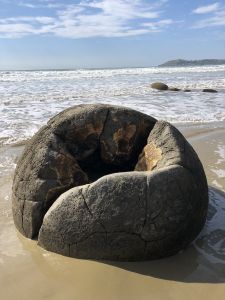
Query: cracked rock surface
(107, 182)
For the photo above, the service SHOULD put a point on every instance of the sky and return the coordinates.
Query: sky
(57, 34)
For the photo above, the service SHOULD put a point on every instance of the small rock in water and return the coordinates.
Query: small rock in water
(159, 86)
(187, 90)
(209, 91)
(174, 89)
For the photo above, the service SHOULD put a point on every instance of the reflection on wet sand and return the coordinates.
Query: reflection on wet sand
(211, 242)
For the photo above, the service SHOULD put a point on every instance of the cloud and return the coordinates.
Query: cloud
(159, 25)
(28, 5)
(15, 30)
(40, 4)
(89, 18)
(216, 20)
(216, 16)
(207, 8)
(24, 20)
(124, 8)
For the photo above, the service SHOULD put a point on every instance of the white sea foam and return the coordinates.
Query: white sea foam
(221, 153)
(29, 99)
(219, 172)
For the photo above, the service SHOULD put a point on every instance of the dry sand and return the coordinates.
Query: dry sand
(29, 272)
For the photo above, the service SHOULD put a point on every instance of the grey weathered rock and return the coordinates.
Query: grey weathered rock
(174, 89)
(159, 86)
(209, 91)
(135, 188)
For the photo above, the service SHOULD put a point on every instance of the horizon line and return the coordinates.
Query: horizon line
(75, 69)
(110, 68)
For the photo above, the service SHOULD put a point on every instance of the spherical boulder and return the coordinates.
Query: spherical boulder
(159, 86)
(108, 182)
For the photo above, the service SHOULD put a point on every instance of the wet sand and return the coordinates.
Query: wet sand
(29, 272)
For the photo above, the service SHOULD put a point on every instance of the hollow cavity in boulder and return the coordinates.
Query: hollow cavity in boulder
(77, 147)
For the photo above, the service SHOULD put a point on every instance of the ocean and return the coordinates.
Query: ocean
(29, 99)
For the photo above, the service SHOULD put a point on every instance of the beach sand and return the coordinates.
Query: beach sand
(29, 272)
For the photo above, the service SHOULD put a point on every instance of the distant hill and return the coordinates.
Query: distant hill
(186, 63)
